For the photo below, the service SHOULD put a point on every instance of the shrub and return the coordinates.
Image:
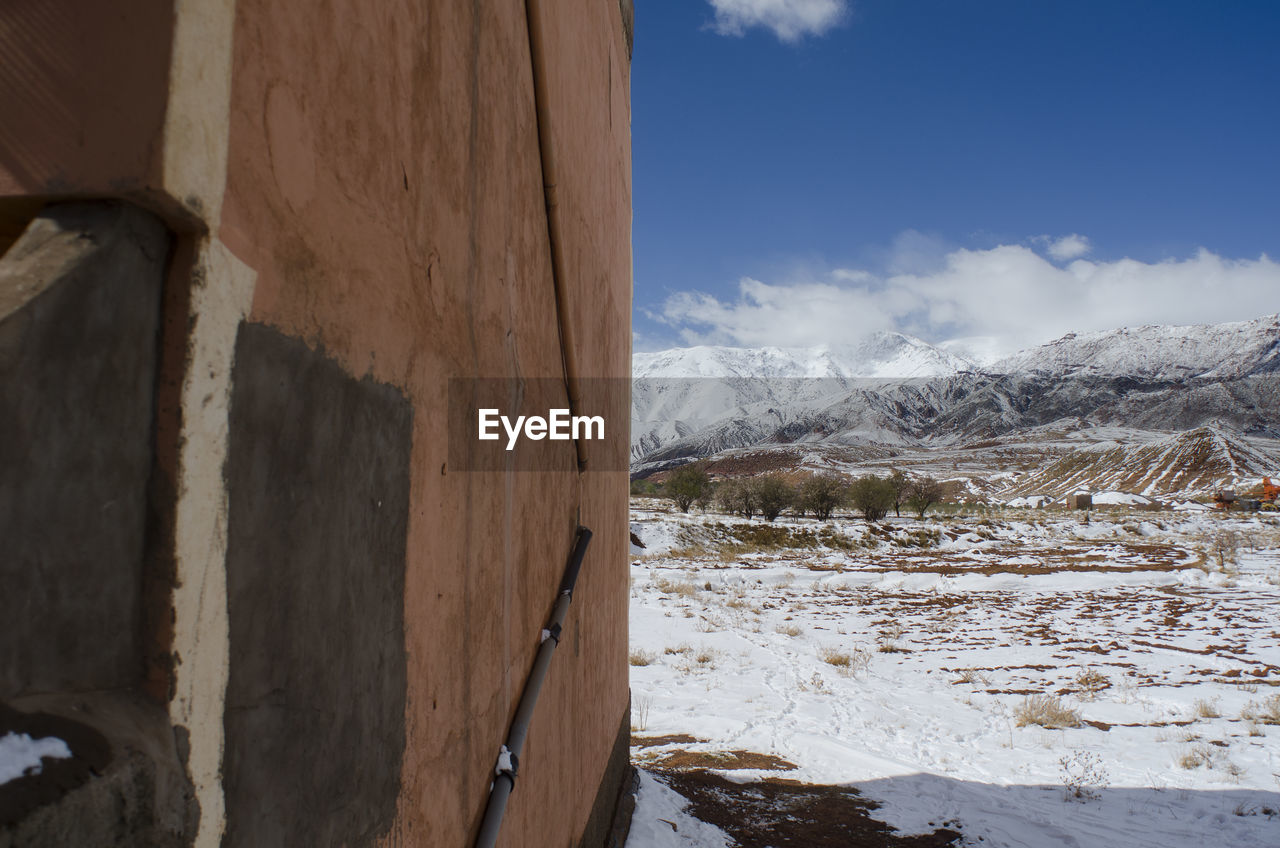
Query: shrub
(644, 488)
(1092, 681)
(820, 494)
(1083, 775)
(686, 485)
(773, 495)
(1223, 547)
(872, 496)
(638, 657)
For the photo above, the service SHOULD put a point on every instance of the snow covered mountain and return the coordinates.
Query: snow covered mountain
(730, 397)
(1157, 352)
(897, 392)
(883, 354)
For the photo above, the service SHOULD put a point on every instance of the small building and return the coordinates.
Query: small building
(1080, 500)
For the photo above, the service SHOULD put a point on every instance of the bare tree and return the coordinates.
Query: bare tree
(738, 496)
(899, 482)
(922, 493)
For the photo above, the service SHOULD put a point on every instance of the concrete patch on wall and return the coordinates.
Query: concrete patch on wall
(318, 481)
(79, 311)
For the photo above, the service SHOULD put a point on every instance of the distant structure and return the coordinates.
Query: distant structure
(1080, 500)
(244, 248)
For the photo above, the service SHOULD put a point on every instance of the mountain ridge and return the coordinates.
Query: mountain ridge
(883, 354)
(1159, 351)
(1155, 379)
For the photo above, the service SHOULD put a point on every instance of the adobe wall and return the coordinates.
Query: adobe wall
(337, 622)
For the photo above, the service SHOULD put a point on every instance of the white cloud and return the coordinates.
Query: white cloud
(789, 315)
(1010, 294)
(790, 20)
(1069, 247)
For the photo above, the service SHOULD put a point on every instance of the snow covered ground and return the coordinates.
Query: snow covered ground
(907, 661)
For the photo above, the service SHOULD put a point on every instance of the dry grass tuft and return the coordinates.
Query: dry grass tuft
(1207, 709)
(683, 588)
(973, 677)
(837, 658)
(1210, 757)
(1046, 711)
(789, 629)
(638, 657)
(848, 662)
(1266, 712)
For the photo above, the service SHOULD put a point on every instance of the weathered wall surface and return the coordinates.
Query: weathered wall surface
(386, 184)
(358, 200)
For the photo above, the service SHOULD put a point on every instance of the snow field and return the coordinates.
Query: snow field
(905, 660)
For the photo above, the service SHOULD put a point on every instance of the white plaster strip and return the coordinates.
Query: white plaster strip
(196, 138)
(221, 294)
(197, 126)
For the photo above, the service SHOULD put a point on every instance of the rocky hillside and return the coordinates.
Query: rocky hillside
(1195, 462)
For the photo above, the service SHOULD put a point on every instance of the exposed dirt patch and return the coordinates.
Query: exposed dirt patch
(669, 739)
(720, 761)
(775, 812)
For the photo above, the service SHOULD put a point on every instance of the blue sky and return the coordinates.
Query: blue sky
(807, 171)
